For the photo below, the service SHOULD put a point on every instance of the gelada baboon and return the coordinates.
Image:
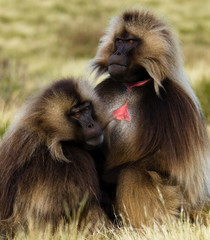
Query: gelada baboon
(157, 148)
(45, 169)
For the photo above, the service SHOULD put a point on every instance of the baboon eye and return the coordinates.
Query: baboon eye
(77, 114)
(120, 41)
(87, 109)
(130, 41)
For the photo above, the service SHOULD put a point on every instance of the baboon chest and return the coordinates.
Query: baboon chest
(127, 114)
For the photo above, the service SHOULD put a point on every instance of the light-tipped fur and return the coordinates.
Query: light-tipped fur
(168, 124)
(44, 169)
(160, 55)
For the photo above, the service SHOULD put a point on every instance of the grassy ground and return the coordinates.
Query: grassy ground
(41, 41)
(169, 231)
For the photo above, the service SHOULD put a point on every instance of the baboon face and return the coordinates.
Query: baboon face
(120, 65)
(63, 115)
(88, 129)
(72, 120)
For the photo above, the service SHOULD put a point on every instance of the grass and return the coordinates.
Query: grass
(172, 230)
(41, 41)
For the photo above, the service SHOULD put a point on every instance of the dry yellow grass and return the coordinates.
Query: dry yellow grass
(171, 231)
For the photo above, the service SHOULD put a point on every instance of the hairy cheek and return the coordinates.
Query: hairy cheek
(116, 70)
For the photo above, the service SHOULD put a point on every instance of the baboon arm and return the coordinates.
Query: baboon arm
(142, 197)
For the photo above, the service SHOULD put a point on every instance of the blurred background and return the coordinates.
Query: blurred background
(45, 40)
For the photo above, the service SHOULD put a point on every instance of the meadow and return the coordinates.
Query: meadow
(42, 41)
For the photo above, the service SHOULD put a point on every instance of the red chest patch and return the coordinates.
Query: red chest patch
(122, 112)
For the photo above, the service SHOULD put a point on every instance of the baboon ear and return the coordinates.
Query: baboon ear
(57, 152)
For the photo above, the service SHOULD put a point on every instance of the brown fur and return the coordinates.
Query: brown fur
(45, 173)
(164, 149)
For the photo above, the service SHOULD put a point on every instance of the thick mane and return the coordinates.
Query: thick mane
(175, 120)
(167, 63)
(45, 167)
(32, 128)
(143, 18)
(24, 145)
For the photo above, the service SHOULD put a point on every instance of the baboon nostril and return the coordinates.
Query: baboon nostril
(118, 53)
(90, 125)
